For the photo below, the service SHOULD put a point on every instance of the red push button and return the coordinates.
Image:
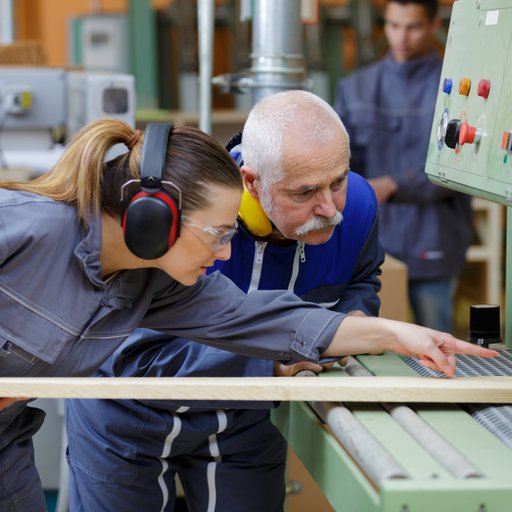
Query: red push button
(467, 134)
(484, 86)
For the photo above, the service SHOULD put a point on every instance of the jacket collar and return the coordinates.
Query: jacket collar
(412, 67)
(88, 252)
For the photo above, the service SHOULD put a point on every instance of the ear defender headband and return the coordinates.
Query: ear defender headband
(151, 221)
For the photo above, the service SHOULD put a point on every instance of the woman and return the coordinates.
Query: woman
(83, 264)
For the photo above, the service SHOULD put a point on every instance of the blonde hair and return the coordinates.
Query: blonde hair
(83, 177)
(76, 178)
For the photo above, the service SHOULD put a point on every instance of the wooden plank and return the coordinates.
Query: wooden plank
(361, 389)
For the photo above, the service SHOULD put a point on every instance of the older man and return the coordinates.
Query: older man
(308, 225)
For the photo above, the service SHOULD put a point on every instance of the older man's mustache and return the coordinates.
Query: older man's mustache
(318, 223)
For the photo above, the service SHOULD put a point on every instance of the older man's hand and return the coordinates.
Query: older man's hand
(289, 370)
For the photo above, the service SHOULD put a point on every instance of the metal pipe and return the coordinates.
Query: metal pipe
(205, 22)
(364, 24)
(375, 460)
(277, 60)
(6, 22)
(277, 63)
(456, 463)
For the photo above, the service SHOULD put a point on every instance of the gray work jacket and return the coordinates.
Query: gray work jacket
(387, 108)
(59, 318)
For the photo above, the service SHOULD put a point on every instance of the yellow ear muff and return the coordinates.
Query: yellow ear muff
(253, 216)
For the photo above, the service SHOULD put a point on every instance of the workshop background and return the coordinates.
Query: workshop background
(348, 35)
(157, 42)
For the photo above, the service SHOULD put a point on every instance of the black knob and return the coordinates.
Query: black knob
(484, 324)
(451, 138)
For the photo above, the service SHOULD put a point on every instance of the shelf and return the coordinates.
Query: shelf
(488, 220)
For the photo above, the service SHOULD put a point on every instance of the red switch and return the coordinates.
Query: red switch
(467, 134)
(506, 141)
(484, 86)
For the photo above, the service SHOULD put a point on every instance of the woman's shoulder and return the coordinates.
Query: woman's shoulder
(21, 199)
(29, 216)
(28, 203)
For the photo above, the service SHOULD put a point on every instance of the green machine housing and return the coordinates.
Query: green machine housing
(470, 147)
(470, 150)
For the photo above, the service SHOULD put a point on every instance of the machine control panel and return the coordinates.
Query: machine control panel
(471, 140)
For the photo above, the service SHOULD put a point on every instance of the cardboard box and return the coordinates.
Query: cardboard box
(394, 294)
(309, 496)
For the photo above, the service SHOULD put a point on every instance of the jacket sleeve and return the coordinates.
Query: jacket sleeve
(267, 324)
(148, 353)
(361, 292)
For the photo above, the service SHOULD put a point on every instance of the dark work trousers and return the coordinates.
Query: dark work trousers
(20, 485)
(124, 456)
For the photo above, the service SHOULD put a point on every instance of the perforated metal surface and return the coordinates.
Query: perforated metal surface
(495, 418)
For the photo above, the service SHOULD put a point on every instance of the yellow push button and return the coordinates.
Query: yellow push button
(464, 86)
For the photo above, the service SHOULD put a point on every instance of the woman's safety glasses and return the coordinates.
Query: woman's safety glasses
(217, 238)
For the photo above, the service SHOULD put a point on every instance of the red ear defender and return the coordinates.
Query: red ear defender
(151, 222)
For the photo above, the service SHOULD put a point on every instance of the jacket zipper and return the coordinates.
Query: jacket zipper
(300, 255)
(259, 249)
